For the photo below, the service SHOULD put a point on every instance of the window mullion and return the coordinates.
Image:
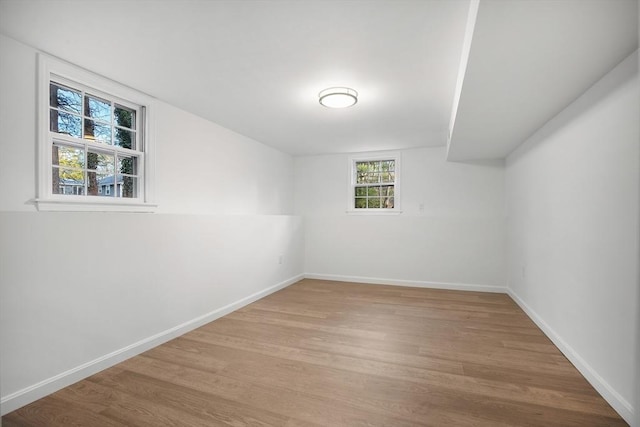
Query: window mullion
(86, 170)
(113, 131)
(82, 118)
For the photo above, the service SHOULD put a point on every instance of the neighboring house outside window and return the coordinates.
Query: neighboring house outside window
(94, 145)
(374, 183)
(70, 186)
(107, 186)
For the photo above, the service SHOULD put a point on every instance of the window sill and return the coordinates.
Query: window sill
(374, 212)
(79, 205)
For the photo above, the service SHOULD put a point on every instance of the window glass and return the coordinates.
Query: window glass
(97, 109)
(124, 117)
(375, 182)
(65, 99)
(97, 160)
(65, 123)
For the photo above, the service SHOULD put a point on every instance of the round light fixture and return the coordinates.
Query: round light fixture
(338, 97)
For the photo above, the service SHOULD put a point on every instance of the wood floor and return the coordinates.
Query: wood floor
(340, 354)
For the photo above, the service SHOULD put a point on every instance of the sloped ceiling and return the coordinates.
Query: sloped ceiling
(530, 59)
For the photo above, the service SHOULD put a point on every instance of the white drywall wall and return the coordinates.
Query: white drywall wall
(572, 192)
(80, 291)
(450, 232)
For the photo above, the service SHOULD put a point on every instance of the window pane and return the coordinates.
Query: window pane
(97, 132)
(100, 162)
(127, 165)
(373, 202)
(361, 203)
(362, 166)
(100, 184)
(125, 117)
(389, 165)
(65, 123)
(67, 181)
(373, 178)
(124, 138)
(97, 109)
(387, 199)
(388, 177)
(67, 156)
(100, 175)
(373, 191)
(65, 99)
(127, 186)
(361, 191)
(388, 203)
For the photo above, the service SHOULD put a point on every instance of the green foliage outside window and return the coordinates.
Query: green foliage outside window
(375, 184)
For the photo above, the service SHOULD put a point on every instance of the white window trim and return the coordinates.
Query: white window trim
(49, 68)
(397, 200)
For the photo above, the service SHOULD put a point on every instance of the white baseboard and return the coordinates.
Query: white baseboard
(32, 393)
(409, 283)
(624, 408)
(51, 385)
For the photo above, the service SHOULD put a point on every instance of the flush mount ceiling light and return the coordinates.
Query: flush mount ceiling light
(338, 97)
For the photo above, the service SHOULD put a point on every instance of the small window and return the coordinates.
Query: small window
(374, 184)
(96, 139)
(93, 140)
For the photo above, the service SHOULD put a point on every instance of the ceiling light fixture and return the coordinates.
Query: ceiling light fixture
(338, 97)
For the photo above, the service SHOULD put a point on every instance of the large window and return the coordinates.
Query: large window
(94, 148)
(374, 183)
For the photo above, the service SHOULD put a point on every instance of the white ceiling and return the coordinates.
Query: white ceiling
(529, 60)
(256, 67)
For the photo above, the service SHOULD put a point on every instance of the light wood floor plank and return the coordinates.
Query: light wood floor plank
(322, 353)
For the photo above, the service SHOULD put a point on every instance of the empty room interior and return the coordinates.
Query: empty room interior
(319, 213)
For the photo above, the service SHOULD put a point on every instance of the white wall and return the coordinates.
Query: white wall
(573, 199)
(80, 291)
(457, 240)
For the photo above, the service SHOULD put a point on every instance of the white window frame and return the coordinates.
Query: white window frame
(50, 69)
(397, 190)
